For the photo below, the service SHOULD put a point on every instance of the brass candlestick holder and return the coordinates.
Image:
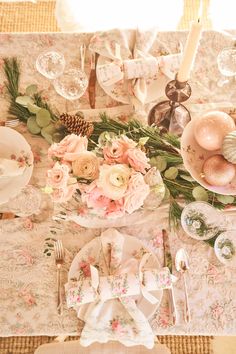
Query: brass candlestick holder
(171, 115)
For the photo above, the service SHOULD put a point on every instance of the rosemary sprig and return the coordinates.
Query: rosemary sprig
(12, 73)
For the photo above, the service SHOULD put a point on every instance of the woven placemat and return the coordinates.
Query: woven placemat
(28, 17)
(39, 17)
(177, 344)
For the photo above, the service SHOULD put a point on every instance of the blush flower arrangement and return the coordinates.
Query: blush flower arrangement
(112, 180)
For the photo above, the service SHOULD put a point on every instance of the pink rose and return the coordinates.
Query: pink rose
(137, 159)
(62, 195)
(58, 176)
(115, 150)
(69, 148)
(136, 193)
(94, 197)
(115, 209)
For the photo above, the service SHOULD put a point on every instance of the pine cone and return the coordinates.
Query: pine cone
(76, 124)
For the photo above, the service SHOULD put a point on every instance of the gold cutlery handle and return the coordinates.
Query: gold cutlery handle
(59, 295)
(187, 317)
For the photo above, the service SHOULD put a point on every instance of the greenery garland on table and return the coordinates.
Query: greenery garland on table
(161, 148)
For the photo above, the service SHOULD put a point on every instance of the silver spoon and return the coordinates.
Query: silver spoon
(182, 265)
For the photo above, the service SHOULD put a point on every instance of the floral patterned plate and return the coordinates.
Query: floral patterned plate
(133, 248)
(194, 157)
(202, 221)
(225, 248)
(14, 146)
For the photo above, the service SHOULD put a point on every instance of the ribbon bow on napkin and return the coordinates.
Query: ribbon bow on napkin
(128, 65)
(106, 300)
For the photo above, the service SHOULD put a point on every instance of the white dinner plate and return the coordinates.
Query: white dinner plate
(13, 143)
(131, 247)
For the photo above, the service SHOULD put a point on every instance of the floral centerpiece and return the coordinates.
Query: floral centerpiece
(112, 180)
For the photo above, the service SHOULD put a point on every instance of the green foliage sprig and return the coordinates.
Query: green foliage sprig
(180, 187)
(162, 149)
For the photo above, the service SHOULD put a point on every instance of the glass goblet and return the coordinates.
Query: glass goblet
(72, 84)
(226, 61)
(50, 64)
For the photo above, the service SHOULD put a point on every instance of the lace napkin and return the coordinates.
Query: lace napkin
(10, 168)
(112, 313)
(127, 64)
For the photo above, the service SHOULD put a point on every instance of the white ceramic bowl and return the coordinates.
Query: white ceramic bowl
(194, 157)
(225, 248)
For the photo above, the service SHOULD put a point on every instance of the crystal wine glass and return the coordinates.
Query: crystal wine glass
(50, 64)
(73, 83)
(30, 202)
(226, 61)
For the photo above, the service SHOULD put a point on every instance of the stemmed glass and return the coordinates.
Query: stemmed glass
(226, 61)
(50, 64)
(30, 202)
(73, 83)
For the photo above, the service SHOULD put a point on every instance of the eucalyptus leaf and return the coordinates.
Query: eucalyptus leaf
(33, 126)
(24, 100)
(225, 199)
(199, 193)
(171, 173)
(33, 108)
(47, 137)
(187, 178)
(49, 129)
(167, 194)
(159, 162)
(31, 90)
(43, 117)
(143, 141)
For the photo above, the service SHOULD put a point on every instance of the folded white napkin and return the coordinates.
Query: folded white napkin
(103, 294)
(10, 168)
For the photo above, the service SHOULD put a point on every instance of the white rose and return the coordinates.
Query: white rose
(113, 180)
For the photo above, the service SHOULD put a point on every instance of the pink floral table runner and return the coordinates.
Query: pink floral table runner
(28, 273)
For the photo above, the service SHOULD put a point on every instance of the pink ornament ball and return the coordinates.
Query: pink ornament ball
(217, 171)
(211, 128)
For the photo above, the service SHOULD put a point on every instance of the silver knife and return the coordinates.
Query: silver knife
(168, 263)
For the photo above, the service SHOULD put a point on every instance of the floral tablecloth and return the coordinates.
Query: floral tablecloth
(28, 274)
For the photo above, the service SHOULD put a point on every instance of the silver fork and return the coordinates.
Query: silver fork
(12, 123)
(59, 259)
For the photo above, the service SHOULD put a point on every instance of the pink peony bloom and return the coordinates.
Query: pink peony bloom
(114, 152)
(137, 159)
(69, 148)
(62, 195)
(136, 193)
(58, 176)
